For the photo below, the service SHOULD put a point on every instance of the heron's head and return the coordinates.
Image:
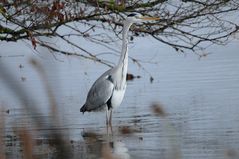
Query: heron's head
(137, 17)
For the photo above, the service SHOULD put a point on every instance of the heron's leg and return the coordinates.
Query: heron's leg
(107, 116)
(110, 119)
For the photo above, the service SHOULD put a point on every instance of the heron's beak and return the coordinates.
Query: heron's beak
(149, 18)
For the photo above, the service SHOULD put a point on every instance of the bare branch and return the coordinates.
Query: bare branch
(185, 25)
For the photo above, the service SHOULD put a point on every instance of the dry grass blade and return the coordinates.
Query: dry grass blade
(106, 152)
(20, 93)
(2, 126)
(24, 95)
(27, 143)
(58, 140)
(52, 101)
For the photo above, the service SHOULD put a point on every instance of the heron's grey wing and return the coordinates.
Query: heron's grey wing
(100, 93)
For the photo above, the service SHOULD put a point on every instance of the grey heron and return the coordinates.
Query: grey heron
(108, 90)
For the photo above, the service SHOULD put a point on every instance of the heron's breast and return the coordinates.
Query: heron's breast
(117, 97)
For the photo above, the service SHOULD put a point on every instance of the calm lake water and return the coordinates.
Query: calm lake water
(200, 98)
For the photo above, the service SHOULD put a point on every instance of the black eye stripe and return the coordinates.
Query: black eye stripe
(132, 14)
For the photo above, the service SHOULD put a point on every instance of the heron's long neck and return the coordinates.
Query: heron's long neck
(123, 61)
(124, 52)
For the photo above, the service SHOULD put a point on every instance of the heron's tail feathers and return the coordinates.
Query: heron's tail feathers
(83, 109)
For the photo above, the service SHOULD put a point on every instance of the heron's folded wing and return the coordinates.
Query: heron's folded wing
(100, 93)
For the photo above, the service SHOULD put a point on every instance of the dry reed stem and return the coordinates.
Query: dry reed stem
(106, 152)
(27, 142)
(2, 127)
(59, 143)
(52, 100)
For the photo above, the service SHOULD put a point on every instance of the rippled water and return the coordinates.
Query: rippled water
(200, 98)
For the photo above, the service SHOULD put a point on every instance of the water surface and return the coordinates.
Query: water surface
(200, 98)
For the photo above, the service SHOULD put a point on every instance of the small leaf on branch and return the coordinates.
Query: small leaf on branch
(60, 17)
(33, 39)
(34, 42)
